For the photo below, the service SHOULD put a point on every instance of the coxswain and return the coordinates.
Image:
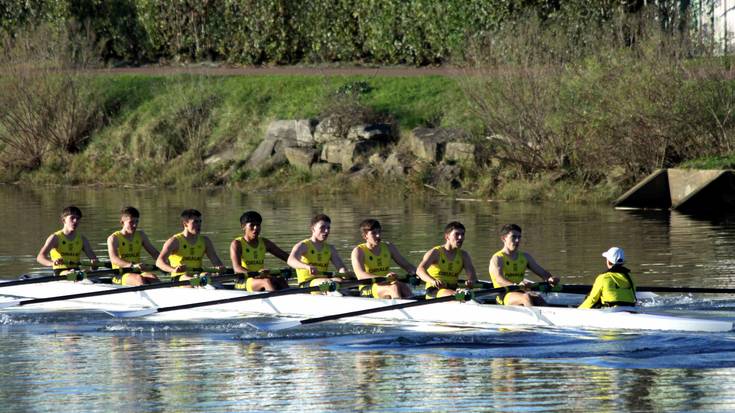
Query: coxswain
(508, 267)
(124, 247)
(62, 249)
(182, 254)
(247, 253)
(440, 267)
(372, 259)
(311, 257)
(613, 288)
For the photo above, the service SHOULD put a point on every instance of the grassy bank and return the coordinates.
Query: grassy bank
(161, 130)
(167, 130)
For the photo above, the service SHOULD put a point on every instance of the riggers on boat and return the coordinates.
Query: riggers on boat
(467, 314)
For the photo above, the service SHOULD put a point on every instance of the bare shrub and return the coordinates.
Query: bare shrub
(344, 109)
(187, 124)
(47, 102)
(626, 100)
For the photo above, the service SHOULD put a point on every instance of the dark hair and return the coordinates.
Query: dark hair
(452, 226)
(130, 212)
(369, 225)
(188, 214)
(507, 228)
(320, 217)
(250, 216)
(71, 210)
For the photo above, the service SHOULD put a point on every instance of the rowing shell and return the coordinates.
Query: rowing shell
(468, 314)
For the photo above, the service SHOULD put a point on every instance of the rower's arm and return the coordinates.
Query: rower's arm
(337, 261)
(44, 254)
(112, 253)
(148, 245)
(595, 294)
(400, 260)
(469, 268)
(236, 257)
(429, 258)
(87, 247)
(212, 254)
(275, 250)
(169, 247)
(294, 259)
(358, 264)
(537, 269)
(497, 275)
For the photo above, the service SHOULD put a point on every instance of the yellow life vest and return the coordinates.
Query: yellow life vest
(513, 269)
(69, 250)
(319, 259)
(188, 254)
(375, 264)
(128, 250)
(446, 271)
(611, 289)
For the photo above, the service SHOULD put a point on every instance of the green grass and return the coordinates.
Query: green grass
(714, 162)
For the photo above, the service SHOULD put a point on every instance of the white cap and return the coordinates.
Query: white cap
(614, 255)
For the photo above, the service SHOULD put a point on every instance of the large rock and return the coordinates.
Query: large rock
(300, 157)
(398, 164)
(430, 143)
(327, 130)
(460, 152)
(280, 134)
(300, 131)
(349, 154)
(377, 131)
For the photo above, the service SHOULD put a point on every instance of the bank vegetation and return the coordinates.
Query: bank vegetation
(561, 103)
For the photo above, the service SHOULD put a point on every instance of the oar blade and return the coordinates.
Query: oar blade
(133, 313)
(276, 325)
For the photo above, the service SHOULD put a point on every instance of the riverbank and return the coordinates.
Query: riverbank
(199, 130)
(164, 128)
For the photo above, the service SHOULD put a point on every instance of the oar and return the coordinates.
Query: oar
(585, 289)
(459, 296)
(323, 287)
(195, 282)
(71, 276)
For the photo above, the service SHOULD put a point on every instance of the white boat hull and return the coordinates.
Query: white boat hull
(468, 314)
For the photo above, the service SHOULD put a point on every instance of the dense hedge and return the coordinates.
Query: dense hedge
(416, 32)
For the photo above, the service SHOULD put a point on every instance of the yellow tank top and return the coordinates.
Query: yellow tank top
(319, 259)
(188, 254)
(513, 270)
(375, 264)
(252, 259)
(445, 270)
(68, 250)
(128, 250)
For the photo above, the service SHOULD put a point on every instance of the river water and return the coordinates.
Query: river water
(85, 361)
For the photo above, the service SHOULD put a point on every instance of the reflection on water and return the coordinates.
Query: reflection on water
(195, 373)
(90, 363)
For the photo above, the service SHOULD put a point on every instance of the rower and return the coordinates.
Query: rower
(124, 247)
(247, 253)
(311, 257)
(441, 265)
(614, 287)
(508, 267)
(371, 259)
(182, 254)
(63, 248)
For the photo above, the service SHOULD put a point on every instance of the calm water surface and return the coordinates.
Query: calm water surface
(76, 361)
